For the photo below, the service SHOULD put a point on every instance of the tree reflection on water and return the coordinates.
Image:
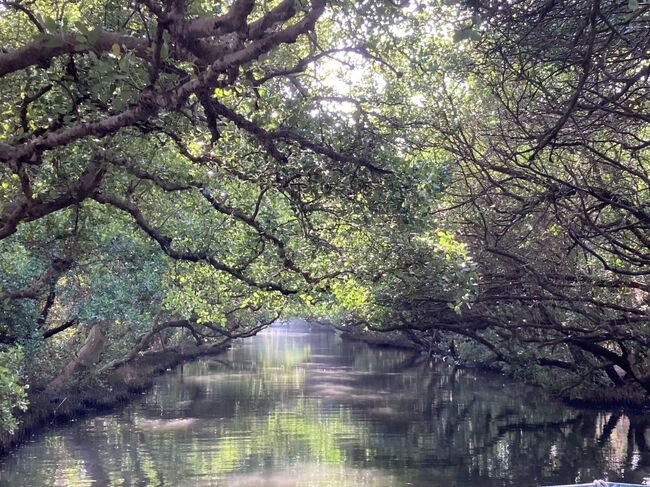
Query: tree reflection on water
(297, 408)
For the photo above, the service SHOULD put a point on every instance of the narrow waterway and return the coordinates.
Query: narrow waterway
(294, 408)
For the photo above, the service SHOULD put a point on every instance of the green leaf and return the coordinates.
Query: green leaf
(123, 63)
(466, 33)
(164, 51)
(633, 5)
(461, 35)
(81, 27)
(50, 24)
(53, 41)
(93, 34)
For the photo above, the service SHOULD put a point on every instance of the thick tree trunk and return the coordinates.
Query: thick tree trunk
(85, 360)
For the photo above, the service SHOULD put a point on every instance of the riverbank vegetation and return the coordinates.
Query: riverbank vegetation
(470, 177)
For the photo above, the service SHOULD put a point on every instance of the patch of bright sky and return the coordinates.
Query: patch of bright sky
(344, 73)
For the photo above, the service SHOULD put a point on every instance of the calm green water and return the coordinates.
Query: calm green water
(290, 408)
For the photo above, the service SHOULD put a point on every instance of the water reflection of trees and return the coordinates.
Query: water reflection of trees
(453, 424)
(308, 401)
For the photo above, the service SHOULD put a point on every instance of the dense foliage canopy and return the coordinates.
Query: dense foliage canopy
(549, 197)
(472, 178)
